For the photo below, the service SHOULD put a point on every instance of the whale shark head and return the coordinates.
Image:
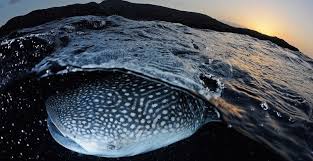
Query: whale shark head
(123, 114)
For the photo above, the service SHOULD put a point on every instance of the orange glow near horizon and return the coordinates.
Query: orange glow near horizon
(264, 23)
(270, 26)
(264, 27)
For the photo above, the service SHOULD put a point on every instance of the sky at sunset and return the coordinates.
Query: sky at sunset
(288, 19)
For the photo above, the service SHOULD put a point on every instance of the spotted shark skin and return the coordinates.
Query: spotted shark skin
(124, 115)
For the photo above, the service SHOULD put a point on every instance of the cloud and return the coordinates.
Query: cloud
(13, 1)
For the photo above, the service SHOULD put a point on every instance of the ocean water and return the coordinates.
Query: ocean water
(261, 90)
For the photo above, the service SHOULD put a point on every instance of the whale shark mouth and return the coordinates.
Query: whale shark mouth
(62, 139)
(106, 113)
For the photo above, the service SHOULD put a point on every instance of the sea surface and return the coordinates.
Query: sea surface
(262, 91)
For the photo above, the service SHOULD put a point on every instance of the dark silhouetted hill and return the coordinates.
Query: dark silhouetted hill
(131, 11)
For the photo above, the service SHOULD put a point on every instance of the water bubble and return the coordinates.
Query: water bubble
(48, 71)
(278, 114)
(210, 61)
(267, 116)
(291, 119)
(264, 106)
